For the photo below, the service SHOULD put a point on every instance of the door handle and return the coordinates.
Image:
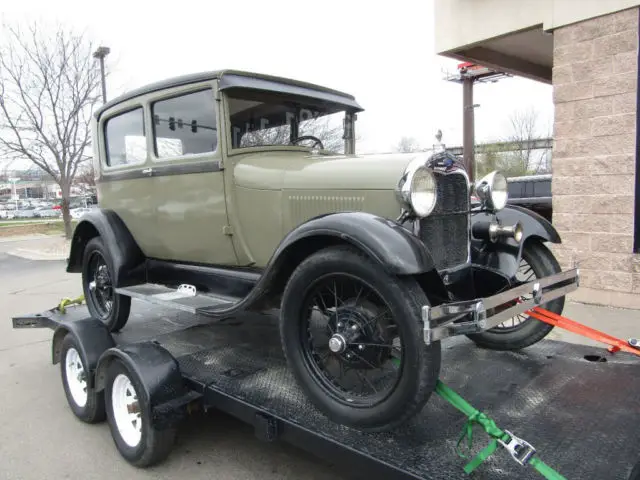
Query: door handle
(147, 171)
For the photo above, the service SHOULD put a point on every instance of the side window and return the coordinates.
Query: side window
(185, 124)
(124, 139)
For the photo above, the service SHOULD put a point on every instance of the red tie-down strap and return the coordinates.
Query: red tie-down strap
(615, 344)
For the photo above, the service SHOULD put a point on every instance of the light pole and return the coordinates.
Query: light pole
(13, 181)
(100, 53)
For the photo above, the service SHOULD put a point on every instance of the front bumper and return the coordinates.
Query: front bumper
(475, 316)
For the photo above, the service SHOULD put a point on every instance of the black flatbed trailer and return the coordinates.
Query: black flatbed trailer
(576, 404)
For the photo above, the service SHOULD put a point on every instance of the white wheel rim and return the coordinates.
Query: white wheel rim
(126, 410)
(76, 377)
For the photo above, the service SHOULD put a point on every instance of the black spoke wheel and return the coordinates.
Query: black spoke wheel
(350, 340)
(525, 273)
(100, 286)
(522, 331)
(97, 281)
(352, 334)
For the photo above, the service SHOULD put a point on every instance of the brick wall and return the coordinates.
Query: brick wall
(595, 90)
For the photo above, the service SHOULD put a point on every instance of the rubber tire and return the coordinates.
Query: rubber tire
(93, 411)
(421, 362)
(155, 445)
(635, 473)
(531, 330)
(121, 303)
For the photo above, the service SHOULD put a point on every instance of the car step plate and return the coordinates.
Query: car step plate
(184, 298)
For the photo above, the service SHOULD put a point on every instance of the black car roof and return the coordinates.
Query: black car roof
(240, 79)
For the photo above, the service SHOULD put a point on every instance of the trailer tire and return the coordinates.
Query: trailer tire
(138, 441)
(85, 402)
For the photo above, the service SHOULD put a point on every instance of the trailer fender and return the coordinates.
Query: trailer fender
(93, 339)
(159, 374)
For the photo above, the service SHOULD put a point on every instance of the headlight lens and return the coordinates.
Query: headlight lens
(492, 191)
(416, 189)
(499, 192)
(423, 192)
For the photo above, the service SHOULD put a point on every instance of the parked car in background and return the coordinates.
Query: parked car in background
(25, 212)
(79, 212)
(532, 192)
(46, 212)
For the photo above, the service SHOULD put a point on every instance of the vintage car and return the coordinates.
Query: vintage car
(230, 191)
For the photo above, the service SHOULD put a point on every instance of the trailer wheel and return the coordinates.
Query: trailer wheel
(85, 402)
(352, 334)
(129, 418)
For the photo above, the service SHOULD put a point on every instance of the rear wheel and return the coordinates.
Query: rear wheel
(129, 418)
(97, 282)
(353, 336)
(522, 331)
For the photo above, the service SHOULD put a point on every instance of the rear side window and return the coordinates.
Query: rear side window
(125, 140)
(185, 125)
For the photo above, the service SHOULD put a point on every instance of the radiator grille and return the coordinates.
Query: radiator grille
(446, 231)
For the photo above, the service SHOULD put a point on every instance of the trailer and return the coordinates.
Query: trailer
(577, 405)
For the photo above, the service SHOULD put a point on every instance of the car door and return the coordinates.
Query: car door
(124, 185)
(191, 212)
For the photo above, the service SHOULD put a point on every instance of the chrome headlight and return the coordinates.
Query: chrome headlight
(492, 191)
(416, 189)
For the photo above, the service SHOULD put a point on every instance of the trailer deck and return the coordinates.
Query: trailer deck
(577, 405)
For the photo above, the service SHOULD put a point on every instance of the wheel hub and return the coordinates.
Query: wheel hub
(76, 377)
(337, 343)
(355, 332)
(126, 410)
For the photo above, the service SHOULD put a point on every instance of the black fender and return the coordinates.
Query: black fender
(394, 247)
(126, 255)
(504, 256)
(159, 374)
(93, 339)
(385, 241)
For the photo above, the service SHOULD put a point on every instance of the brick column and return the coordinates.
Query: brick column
(595, 81)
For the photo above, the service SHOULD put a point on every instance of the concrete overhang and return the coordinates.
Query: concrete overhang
(527, 53)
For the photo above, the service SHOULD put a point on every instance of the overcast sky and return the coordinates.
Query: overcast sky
(383, 56)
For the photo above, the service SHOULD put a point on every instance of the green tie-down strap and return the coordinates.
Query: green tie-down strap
(497, 435)
(62, 307)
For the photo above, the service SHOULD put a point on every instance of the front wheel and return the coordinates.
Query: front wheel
(353, 337)
(522, 331)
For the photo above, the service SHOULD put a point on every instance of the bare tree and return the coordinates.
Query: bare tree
(86, 175)
(525, 127)
(407, 145)
(49, 87)
(324, 128)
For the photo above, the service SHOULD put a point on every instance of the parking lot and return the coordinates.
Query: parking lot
(42, 439)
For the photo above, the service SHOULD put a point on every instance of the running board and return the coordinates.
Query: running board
(184, 298)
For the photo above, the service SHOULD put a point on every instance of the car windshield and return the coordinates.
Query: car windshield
(260, 119)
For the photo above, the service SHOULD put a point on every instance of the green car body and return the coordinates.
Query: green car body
(233, 206)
